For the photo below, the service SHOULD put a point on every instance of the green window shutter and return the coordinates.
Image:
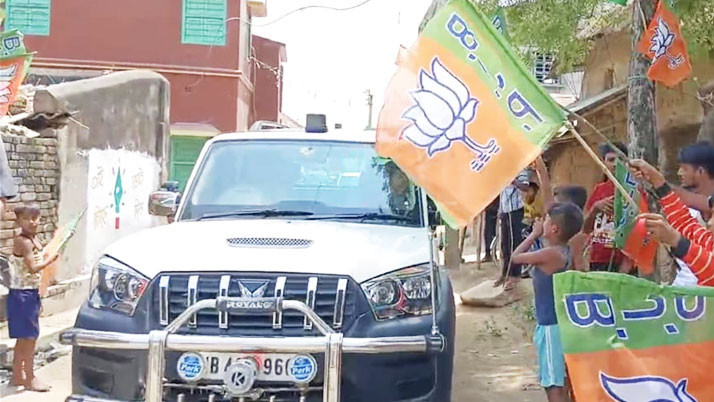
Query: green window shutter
(184, 153)
(30, 17)
(204, 22)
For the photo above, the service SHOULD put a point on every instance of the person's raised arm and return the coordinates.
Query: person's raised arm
(544, 179)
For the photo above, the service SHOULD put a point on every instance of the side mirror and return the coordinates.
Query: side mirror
(172, 186)
(163, 203)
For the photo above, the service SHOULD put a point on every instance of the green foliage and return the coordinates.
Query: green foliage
(562, 27)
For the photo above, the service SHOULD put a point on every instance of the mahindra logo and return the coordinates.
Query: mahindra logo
(255, 293)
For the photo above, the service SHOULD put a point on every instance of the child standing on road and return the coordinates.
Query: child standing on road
(23, 302)
(561, 223)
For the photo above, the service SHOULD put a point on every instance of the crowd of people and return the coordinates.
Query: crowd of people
(566, 229)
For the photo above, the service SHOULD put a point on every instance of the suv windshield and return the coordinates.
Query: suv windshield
(301, 180)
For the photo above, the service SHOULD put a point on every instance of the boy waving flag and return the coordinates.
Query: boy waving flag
(462, 116)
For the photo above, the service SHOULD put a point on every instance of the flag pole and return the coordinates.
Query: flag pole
(604, 168)
(433, 273)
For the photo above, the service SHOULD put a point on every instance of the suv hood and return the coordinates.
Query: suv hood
(362, 251)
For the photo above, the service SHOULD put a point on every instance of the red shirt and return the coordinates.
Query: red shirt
(603, 234)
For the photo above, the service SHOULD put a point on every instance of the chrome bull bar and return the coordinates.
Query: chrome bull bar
(331, 343)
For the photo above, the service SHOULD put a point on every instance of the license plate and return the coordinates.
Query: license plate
(274, 367)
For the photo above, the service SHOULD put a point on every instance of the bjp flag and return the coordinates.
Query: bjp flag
(12, 72)
(629, 340)
(462, 116)
(664, 44)
(630, 234)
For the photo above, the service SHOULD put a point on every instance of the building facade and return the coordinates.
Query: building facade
(203, 47)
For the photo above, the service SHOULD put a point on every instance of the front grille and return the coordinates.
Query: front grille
(334, 298)
(276, 242)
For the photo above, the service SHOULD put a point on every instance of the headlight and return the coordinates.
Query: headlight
(116, 286)
(406, 292)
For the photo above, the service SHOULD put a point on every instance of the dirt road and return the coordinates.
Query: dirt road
(494, 358)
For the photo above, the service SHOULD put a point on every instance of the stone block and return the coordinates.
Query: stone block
(43, 196)
(28, 197)
(38, 165)
(22, 148)
(7, 233)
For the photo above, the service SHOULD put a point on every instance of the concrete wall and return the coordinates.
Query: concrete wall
(111, 213)
(121, 122)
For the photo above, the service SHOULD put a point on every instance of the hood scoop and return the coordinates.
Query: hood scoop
(268, 242)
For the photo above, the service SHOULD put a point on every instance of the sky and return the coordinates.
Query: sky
(334, 57)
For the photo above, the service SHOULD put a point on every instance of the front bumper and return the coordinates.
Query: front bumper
(136, 364)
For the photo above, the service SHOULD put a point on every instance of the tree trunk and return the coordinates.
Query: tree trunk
(641, 111)
(641, 116)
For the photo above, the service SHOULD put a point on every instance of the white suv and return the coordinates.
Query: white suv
(288, 247)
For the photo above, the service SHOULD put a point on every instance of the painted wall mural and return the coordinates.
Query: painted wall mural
(119, 185)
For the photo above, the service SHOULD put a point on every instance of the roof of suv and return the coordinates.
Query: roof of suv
(367, 136)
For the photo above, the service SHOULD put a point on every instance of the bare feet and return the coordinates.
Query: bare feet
(499, 282)
(38, 386)
(511, 283)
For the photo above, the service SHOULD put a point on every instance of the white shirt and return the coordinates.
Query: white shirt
(510, 199)
(685, 277)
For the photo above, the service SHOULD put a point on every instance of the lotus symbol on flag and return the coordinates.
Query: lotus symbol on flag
(443, 109)
(662, 40)
(7, 74)
(645, 389)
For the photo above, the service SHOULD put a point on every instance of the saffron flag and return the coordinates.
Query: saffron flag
(630, 234)
(462, 116)
(664, 44)
(12, 73)
(628, 339)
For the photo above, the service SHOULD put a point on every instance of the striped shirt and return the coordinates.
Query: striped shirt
(511, 199)
(696, 246)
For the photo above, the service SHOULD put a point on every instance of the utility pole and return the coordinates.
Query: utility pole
(641, 112)
(370, 103)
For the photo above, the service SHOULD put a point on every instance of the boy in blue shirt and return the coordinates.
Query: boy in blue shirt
(562, 222)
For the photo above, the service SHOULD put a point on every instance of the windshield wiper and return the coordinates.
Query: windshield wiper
(265, 213)
(364, 217)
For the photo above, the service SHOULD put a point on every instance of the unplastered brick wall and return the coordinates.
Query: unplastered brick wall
(35, 166)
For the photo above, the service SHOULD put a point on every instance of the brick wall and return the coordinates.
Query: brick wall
(35, 166)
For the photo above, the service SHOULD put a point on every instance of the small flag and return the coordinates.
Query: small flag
(620, 2)
(630, 233)
(56, 246)
(664, 44)
(462, 116)
(629, 339)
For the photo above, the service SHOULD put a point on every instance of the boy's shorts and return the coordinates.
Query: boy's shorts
(551, 361)
(23, 313)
